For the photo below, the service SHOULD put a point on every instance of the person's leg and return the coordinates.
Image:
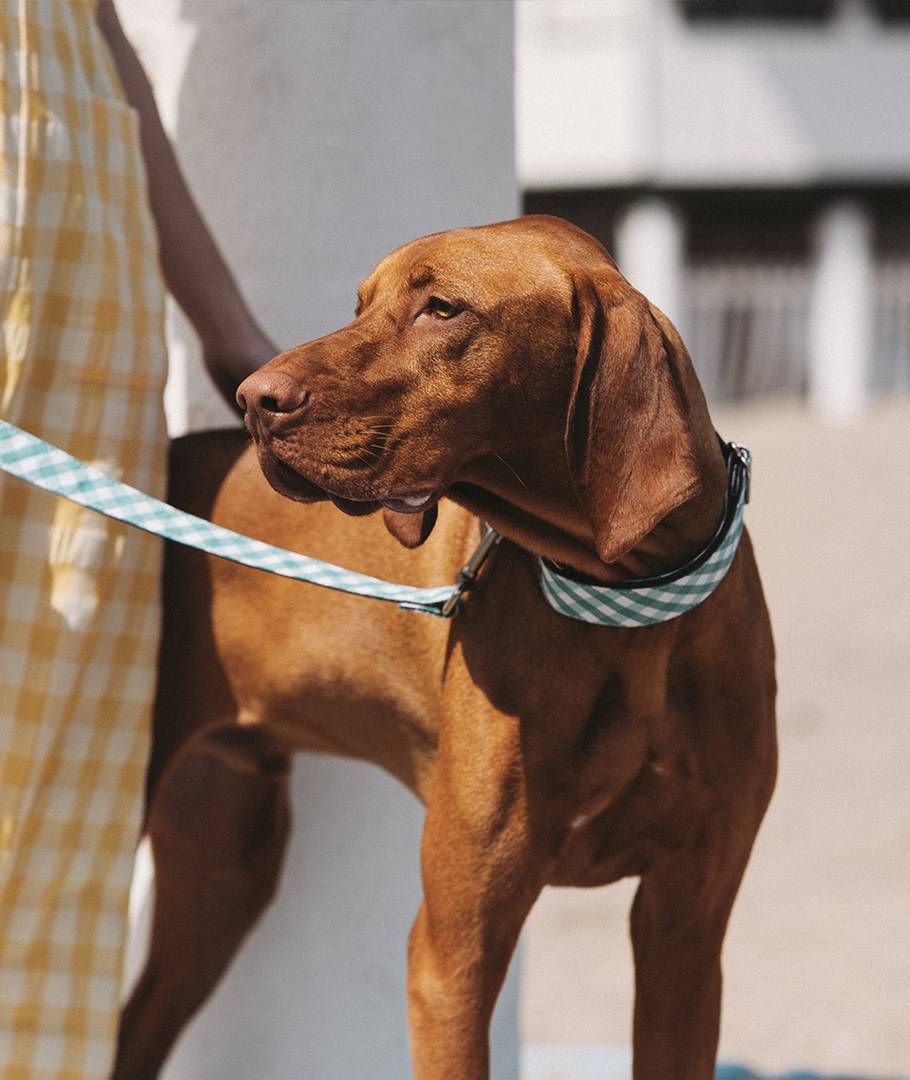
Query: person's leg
(78, 642)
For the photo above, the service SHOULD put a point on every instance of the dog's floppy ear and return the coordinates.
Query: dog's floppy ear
(410, 530)
(629, 446)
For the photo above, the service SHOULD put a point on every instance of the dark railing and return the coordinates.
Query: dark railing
(889, 370)
(746, 327)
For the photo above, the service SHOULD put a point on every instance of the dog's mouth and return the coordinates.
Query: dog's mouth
(287, 481)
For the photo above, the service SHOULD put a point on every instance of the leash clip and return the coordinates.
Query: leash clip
(745, 459)
(468, 574)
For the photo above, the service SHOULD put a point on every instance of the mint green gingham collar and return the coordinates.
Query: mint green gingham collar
(645, 601)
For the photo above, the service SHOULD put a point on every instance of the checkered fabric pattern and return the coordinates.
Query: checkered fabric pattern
(23, 455)
(647, 604)
(47, 467)
(82, 364)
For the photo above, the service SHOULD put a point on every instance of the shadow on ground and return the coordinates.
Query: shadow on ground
(556, 1062)
(739, 1072)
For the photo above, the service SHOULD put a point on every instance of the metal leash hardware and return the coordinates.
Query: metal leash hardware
(467, 576)
(745, 459)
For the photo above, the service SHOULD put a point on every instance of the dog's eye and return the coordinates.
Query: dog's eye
(442, 309)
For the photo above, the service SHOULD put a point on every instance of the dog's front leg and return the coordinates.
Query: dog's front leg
(459, 951)
(678, 923)
(483, 868)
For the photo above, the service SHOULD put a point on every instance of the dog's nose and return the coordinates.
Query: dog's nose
(271, 394)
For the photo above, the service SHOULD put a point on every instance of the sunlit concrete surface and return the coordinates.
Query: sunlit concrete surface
(816, 963)
(555, 1062)
(576, 1063)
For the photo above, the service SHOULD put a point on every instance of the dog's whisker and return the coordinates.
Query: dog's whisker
(370, 422)
(511, 470)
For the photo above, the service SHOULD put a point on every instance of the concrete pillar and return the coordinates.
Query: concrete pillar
(317, 136)
(840, 312)
(650, 249)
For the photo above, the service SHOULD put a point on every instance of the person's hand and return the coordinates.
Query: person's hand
(230, 363)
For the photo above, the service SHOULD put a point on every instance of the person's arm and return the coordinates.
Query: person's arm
(233, 343)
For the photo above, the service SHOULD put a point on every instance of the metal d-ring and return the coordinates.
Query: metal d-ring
(468, 574)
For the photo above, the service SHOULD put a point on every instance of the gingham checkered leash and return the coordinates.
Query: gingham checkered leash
(636, 604)
(50, 468)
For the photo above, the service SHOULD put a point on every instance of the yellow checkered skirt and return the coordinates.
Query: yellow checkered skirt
(83, 366)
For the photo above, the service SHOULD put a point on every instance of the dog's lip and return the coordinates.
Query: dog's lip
(354, 507)
(288, 481)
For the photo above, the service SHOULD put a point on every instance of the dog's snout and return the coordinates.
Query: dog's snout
(272, 394)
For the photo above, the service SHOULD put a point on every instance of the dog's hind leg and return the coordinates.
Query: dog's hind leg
(218, 823)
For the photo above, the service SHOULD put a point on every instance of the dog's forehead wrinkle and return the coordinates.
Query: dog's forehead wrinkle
(420, 276)
(478, 268)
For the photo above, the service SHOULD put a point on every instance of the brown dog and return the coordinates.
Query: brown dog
(512, 369)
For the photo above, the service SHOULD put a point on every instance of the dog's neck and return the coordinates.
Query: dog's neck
(530, 499)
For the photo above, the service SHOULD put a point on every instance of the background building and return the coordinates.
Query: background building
(748, 163)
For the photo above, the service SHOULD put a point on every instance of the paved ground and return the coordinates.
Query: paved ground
(818, 956)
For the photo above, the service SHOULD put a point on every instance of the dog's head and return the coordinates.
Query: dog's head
(511, 366)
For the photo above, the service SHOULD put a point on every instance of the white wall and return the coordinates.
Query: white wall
(317, 136)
